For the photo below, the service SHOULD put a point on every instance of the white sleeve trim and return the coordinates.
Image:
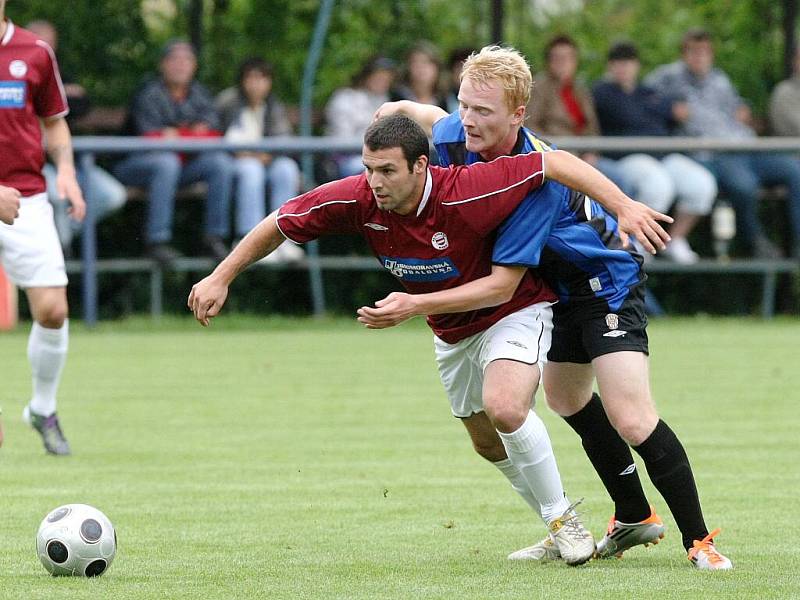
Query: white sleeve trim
(303, 214)
(500, 191)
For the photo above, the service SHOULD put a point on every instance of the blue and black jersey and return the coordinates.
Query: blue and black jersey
(581, 257)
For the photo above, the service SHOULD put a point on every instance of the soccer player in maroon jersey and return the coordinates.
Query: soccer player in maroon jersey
(31, 100)
(433, 229)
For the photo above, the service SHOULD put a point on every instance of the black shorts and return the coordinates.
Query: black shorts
(582, 333)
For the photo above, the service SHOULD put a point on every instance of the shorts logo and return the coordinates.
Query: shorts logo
(439, 241)
(18, 68)
(376, 227)
(612, 321)
(12, 94)
(517, 344)
(615, 333)
(421, 269)
(630, 469)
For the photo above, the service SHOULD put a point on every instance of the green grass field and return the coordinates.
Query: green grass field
(308, 459)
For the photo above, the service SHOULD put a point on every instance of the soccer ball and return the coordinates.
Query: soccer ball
(76, 539)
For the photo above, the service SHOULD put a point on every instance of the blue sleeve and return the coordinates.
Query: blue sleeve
(521, 237)
(447, 130)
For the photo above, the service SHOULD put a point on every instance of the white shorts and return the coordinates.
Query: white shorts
(29, 249)
(523, 336)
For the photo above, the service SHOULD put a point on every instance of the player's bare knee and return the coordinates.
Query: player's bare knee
(506, 416)
(53, 316)
(634, 429)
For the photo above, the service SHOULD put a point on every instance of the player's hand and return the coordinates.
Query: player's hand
(9, 204)
(392, 310)
(206, 299)
(642, 222)
(386, 109)
(67, 188)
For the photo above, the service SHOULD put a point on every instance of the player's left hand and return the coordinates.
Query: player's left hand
(67, 188)
(388, 312)
(642, 222)
(206, 299)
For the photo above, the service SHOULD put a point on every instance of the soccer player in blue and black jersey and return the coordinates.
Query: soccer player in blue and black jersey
(599, 322)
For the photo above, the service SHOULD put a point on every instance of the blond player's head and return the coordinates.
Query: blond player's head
(505, 66)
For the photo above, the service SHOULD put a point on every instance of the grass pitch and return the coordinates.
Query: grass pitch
(305, 459)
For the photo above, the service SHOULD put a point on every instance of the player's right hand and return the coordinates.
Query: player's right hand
(206, 299)
(642, 222)
(9, 204)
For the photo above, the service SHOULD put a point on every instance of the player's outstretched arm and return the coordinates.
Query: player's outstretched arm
(634, 218)
(398, 307)
(208, 295)
(424, 114)
(59, 147)
(9, 204)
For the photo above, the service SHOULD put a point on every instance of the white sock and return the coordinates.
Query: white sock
(529, 450)
(47, 353)
(518, 482)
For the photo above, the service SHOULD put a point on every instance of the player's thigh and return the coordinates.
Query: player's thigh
(31, 251)
(512, 354)
(567, 386)
(624, 382)
(485, 439)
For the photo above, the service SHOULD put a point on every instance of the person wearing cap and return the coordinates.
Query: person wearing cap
(349, 110)
(625, 107)
(175, 105)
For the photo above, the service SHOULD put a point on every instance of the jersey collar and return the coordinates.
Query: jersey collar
(426, 194)
(9, 32)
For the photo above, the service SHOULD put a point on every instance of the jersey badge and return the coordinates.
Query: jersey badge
(376, 226)
(439, 241)
(12, 94)
(595, 285)
(18, 68)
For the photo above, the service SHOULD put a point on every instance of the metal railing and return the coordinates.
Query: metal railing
(87, 147)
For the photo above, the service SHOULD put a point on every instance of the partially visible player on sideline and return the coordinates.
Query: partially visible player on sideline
(599, 323)
(31, 99)
(433, 228)
(9, 204)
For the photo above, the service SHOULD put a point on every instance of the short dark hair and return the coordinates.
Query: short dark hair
(255, 63)
(623, 51)
(696, 34)
(559, 40)
(398, 131)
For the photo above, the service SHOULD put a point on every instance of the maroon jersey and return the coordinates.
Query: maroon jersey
(30, 89)
(446, 243)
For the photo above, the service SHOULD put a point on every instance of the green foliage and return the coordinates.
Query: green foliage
(107, 46)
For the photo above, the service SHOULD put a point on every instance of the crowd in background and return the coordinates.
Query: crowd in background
(687, 97)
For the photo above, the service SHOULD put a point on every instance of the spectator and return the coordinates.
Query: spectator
(716, 110)
(421, 79)
(105, 194)
(627, 108)
(784, 104)
(175, 105)
(562, 105)
(454, 64)
(350, 109)
(249, 112)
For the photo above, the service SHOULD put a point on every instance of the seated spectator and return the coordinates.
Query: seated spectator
(454, 64)
(716, 110)
(349, 111)
(421, 76)
(627, 108)
(249, 112)
(562, 105)
(175, 105)
(102, 192)
(784, 104)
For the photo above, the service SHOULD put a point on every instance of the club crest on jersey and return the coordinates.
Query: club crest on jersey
(420, 269)
(12, 94)
(439, 241)
(18, 68)
(612, 321)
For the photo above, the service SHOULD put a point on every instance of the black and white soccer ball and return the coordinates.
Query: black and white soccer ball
(76, 539)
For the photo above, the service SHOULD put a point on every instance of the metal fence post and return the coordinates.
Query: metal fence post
(88, 244)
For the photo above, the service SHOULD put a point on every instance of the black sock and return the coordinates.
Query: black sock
(669, 470)
(611, 457)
